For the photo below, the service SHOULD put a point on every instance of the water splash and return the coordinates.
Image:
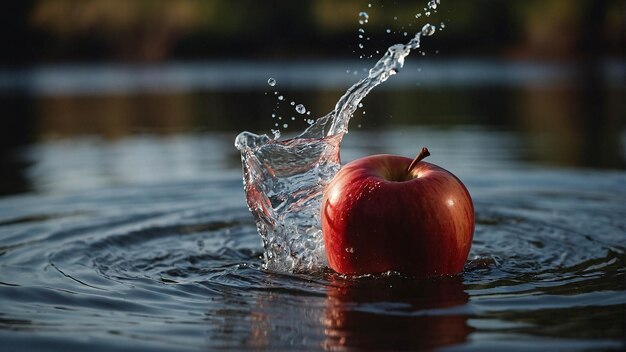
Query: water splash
(284, 180)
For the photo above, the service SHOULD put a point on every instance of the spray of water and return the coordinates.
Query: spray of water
(284, 180)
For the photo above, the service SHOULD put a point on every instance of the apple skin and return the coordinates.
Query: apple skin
(378, 217)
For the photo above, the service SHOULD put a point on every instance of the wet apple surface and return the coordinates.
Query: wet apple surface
(387, 213)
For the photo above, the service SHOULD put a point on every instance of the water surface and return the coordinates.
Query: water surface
(146, 243)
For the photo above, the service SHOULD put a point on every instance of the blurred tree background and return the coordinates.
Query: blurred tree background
(153, 30)
(112, 69)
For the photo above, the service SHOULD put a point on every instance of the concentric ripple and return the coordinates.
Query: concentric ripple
(179, 266)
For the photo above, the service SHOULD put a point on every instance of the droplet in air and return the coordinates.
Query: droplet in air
(300, 109)
(363, 17)
(427, 13)
(271, 82)
(388, 30)
(433, 4)
(280, 97)
(442, 25)
(428, 30)
(285, 125)
(418, 15)
(293, 103)
(361, 45)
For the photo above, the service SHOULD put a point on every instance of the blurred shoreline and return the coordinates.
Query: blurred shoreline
(226, 75)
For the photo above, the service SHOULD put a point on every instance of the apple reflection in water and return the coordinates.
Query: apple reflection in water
(395, 313)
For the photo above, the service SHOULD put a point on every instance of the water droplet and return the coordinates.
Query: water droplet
(442, 25)
(359, 125)
(308, 112)
(360, 36)
(310, 121)
(418, 15)
(276, 133)
(433, 4)
(363, 17)
(280, 97)
(300, 109)
(360, 105)
(427, 13)
(361, 45)
(369, 5)
(388, 30)
(428, 30)
(271, 81)
(293, 103)
(405, 34)
(361, 30)
(273, 115)
(350, 250)
(285, 125)
(293, 118)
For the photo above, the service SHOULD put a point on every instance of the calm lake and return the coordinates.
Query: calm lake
(124, 224)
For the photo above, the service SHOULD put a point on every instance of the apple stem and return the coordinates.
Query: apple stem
(423, 154)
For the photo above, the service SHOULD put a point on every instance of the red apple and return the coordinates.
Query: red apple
(386, 212)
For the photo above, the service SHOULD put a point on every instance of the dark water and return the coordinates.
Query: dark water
(165, 264)
(125, 232)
